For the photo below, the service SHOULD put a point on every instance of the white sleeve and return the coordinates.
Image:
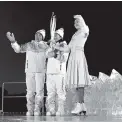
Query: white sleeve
(86, 30)
(16, 47)
(66, 56)
(43, 45)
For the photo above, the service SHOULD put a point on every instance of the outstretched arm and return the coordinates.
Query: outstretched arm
(65, 48)
(85, 28)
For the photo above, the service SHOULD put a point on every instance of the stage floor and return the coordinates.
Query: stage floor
(88, 118)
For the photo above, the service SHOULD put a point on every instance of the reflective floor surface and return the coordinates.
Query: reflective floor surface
(88, 118)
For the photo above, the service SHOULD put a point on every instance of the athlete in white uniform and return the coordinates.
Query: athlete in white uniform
(35, 69)
(56, 70)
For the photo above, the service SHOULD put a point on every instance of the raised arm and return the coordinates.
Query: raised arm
(81, 21)
(17, 48)
(86, 31)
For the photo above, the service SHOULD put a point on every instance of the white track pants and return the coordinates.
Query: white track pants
(35, 84)
(55, 85)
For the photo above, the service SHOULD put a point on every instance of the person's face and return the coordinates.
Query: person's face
(78, 24)
(57, 37)
(38, 37)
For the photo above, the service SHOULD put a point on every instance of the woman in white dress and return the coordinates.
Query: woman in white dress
(77, 70)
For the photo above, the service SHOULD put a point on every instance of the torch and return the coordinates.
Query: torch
(52, 25)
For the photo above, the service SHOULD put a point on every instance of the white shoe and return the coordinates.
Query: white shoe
(29, 113)
(58, 113)
(77, 109)
(38, 106)
(37, 113)
(51, 113)
(48, 114)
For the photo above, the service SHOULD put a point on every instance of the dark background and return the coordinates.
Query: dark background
(103, 48)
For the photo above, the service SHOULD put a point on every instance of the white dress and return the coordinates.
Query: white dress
(77, 69)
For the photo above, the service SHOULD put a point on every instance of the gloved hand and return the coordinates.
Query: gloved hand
(11, 37)
(56, 51)
(51, 54)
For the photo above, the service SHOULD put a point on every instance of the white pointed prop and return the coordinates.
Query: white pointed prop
(115, 74)
(52, 25)
(103, 77)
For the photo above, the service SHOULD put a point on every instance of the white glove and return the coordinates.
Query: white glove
(11, 37)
